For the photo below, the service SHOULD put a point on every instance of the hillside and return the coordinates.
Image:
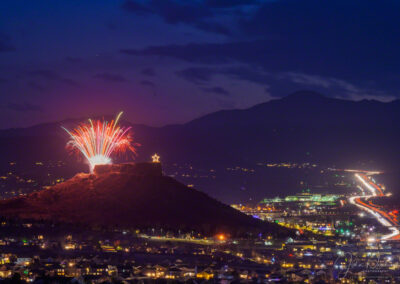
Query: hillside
(131, 196)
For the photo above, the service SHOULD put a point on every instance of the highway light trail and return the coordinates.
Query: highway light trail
(366, 184)
(381, 216)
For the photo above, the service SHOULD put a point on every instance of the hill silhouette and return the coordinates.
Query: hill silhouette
(132, 196)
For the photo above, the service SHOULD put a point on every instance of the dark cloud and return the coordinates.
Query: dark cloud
(304, 37)
(267, 60)
(24, 107)
(135, 7)
(213, 27)
(201, 75)
(229, 3)
(110, 77)
(315, 39)
(318, 21)
(217, 90)
(207, 53)
(147, 83)
(50, 75)
(148, 71)
(267, 55)
(276, 84)
(197, 75)
(171, 11)
(254, 75)
(194, 13)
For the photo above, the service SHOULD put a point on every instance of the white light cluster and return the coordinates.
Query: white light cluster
(378, 216)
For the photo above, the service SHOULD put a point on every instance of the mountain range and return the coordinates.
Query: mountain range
(300, 127)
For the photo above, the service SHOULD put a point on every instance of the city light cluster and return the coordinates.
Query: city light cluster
(380, 216)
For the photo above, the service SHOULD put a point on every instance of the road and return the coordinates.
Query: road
(185, 240)
(379, 213)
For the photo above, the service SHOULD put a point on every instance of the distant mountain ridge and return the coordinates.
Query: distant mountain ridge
(304, 126)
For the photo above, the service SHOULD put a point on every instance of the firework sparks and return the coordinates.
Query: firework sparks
(98, 140)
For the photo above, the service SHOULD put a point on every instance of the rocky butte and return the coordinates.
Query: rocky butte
(133, 195)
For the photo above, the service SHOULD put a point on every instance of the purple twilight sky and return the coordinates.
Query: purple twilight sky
(169, 61)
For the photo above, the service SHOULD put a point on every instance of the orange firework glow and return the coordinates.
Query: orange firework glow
(98, 140)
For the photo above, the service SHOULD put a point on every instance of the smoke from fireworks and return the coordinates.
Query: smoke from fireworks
(98, 140)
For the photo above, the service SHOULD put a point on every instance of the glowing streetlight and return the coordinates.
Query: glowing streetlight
(221, 237)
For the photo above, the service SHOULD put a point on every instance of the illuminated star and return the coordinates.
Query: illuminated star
(156, 158)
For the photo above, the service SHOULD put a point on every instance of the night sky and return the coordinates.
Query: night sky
(169, 61)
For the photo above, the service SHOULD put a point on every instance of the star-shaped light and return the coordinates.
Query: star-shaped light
(155, 158)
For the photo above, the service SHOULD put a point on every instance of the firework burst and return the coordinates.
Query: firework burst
(98, 140)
